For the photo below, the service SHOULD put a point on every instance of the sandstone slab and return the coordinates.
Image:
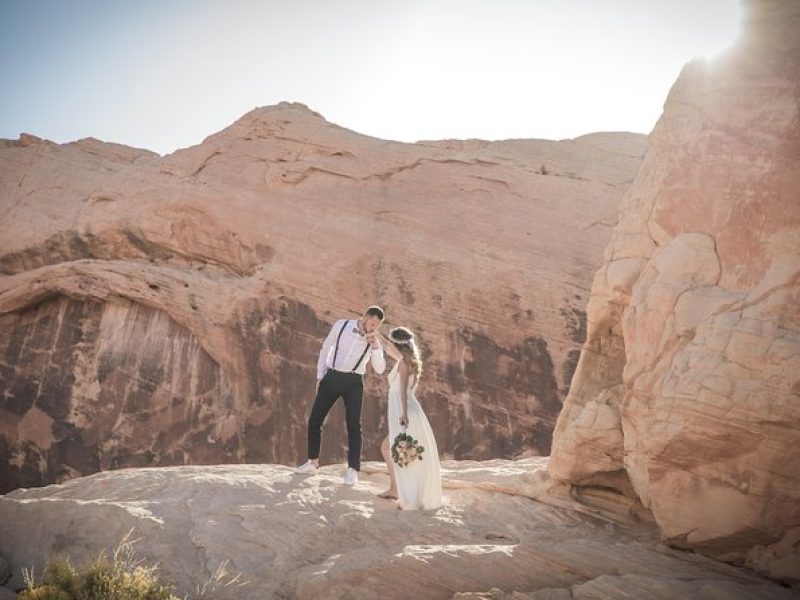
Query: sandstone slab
(303, 537)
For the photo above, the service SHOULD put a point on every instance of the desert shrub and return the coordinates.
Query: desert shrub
(119, 577)
(122, 576)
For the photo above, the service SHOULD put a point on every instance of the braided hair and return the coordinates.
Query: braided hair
(403, 340)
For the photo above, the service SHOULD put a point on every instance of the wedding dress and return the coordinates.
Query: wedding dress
(419, 484)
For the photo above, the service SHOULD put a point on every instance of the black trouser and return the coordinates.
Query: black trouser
(350, 387)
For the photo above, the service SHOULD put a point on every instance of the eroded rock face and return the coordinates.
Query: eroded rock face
(291, 536)
(107, 384)
(687, 394)
(169, 310)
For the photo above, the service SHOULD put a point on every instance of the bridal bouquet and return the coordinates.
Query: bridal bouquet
(405, 450)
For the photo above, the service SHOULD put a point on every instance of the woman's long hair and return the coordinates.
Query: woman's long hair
(403, 340)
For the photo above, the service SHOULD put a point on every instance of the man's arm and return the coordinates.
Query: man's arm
(322, 367)
(378, 360)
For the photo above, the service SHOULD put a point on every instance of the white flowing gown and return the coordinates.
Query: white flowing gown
(419, 485)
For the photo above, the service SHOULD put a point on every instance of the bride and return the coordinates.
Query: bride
(417, 485)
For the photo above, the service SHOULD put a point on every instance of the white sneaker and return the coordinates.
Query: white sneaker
(351, 476)
(307, 468)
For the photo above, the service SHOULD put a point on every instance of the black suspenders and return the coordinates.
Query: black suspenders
(341, 331)
(336, 351)
(363, 354)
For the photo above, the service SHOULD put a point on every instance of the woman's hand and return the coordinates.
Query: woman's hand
(388, 346)
(372, 338)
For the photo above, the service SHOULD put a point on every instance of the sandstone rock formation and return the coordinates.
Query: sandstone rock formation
(686, 394)
(169, 310)
(296, 537)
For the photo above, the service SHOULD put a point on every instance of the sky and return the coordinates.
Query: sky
(165, 74)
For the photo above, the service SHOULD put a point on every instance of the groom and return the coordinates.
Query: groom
(350, 345)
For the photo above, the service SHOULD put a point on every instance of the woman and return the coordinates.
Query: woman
(419, 484)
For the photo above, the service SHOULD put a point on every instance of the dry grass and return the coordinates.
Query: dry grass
(123, 576)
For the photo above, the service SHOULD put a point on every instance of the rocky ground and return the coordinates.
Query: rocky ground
(295, 536)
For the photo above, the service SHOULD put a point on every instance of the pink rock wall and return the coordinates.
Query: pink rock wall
(687, 393)
(169, 310)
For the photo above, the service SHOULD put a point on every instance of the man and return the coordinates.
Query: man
(350, 345)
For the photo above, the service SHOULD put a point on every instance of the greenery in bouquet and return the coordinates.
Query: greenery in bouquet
(406, 450)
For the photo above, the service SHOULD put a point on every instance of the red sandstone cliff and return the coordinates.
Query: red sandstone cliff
(169, 310)
(687, 393)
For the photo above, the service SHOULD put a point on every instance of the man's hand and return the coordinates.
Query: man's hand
(318, 382)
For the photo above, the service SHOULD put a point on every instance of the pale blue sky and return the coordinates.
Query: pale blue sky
(164, 74)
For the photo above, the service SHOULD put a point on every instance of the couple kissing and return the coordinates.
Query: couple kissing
(410, 450)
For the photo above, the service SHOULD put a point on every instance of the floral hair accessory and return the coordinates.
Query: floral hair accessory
(393, 335)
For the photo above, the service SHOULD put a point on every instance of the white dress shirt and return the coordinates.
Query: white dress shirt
(351, 347)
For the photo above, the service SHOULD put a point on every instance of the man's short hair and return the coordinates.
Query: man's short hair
(375, 311)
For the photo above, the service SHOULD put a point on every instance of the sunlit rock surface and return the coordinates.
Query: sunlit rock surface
(687, 394)
(292, 536)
